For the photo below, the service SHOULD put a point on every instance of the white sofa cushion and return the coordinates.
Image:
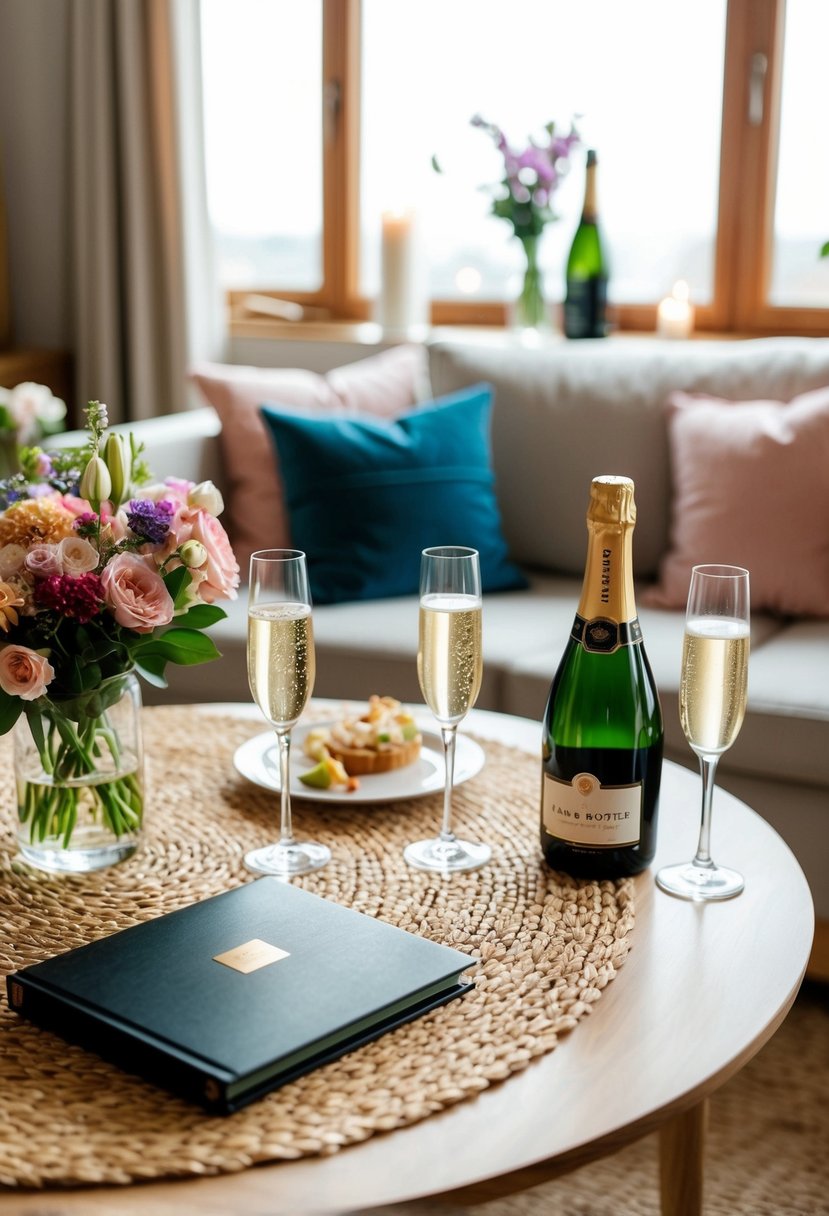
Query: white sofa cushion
(567, 412)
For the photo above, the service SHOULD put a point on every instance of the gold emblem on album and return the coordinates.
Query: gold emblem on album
(585, 784)
(250, 956)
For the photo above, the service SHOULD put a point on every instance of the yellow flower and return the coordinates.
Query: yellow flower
(35, 521)
(10, 601)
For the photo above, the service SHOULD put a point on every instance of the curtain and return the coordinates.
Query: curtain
(145, 301)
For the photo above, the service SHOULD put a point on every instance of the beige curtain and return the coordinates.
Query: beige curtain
(140, 239)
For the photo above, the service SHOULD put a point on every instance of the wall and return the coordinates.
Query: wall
(33, 146)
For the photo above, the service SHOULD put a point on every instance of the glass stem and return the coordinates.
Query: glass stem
(708, 768)
(449, 733)
(286, 833)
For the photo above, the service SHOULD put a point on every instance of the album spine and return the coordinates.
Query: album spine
(123, 1044)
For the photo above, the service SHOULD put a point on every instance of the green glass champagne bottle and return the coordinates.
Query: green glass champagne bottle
(585, 301)
(603, 738)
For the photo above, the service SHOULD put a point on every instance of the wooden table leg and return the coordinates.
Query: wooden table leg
(681, 1159)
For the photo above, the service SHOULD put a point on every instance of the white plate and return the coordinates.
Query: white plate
(258, 760)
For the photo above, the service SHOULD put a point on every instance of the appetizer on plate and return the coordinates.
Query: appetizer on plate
(383, 738)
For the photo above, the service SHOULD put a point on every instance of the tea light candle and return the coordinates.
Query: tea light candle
(675, 314)
(397, 304)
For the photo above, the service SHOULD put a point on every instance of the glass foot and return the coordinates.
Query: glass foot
(689, 881)
(288, 860)
(446, 856)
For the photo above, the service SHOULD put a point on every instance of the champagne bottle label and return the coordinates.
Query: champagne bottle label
(584, 812)
(603, 636)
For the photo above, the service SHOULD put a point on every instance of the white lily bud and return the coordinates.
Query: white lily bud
(206, 496)
(96, 483)
(118, 460)
(193, 554)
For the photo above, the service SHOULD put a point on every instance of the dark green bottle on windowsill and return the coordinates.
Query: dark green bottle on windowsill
(585, 301)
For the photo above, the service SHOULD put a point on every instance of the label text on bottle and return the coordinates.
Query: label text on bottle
(584, 812)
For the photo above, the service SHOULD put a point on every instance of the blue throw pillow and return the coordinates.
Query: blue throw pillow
(365, 496)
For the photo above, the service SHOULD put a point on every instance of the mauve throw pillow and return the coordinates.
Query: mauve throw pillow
(367, 495)
(385, 385)
(751, 488)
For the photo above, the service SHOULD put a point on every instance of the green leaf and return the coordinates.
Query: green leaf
(10, 710)
(824, 250)
(177, 583)
(151, 668)
(100, 649)
(35, 719)
(185, 646)
(201, 616)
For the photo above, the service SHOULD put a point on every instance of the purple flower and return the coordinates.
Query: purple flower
(538, 160)
(524, 196)
(150, 520)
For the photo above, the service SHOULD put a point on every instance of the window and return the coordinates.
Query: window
(262, 112)
(658, 206)
(321, 116)
(801, 214)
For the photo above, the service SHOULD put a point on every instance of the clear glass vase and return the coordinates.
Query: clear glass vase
(79, 772)
(530, 308)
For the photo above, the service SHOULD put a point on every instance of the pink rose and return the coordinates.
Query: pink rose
(24, 673)
(222, 569)
(77, 556)
(136, 594)
(74, 505)
(44, 560)
(174, 489)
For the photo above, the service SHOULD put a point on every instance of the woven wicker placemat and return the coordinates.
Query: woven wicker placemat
(547, 946)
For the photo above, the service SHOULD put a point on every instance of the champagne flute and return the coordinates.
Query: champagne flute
(449, 667)
(281, 670)
(712, 705)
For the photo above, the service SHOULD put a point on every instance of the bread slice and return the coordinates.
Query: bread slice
(361, 761)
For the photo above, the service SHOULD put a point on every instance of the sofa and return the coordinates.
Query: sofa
(664, 413)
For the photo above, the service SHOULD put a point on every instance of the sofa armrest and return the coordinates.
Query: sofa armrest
(182, 445)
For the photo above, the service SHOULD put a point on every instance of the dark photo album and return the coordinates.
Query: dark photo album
(228, 998)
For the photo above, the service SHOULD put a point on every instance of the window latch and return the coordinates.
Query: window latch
(331, 104)
(757, 88)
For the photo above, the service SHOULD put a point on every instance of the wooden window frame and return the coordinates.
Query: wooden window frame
(748, 164)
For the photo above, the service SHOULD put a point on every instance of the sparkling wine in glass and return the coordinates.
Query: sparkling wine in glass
(281, 670)
(449, 667)
(712, 704)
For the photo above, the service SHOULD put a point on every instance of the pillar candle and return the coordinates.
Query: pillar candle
(398, 304)
(675, 314)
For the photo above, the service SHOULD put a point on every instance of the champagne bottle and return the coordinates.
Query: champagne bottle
(603, 738)
(585, 301)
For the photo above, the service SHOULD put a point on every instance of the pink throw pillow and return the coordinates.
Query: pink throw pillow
(751, 488)
(384, 385)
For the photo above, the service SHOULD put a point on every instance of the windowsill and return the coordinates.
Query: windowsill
(371, 334)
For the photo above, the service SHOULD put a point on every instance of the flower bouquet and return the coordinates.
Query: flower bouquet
(524, 198)
(28, 412)
(102, 576)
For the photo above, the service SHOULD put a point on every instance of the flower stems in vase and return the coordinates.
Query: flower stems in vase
(530, 308)
(78, 769)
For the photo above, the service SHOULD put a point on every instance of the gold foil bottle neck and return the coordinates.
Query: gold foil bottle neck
(611, 501)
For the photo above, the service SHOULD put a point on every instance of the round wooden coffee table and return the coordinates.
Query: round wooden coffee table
(703, 989)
